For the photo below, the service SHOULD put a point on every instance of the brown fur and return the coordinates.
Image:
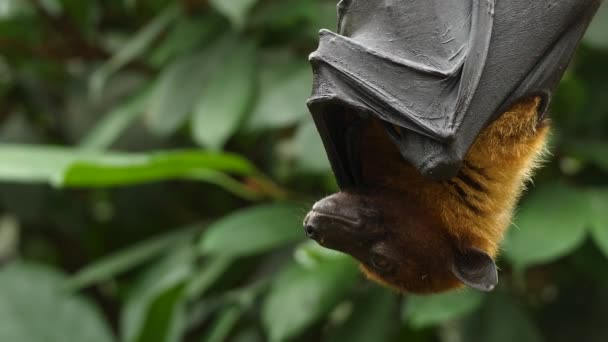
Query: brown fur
(420, 251)
(474, 208)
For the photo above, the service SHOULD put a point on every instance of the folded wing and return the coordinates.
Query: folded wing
(438, 70)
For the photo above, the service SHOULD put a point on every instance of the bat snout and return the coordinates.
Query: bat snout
(311, 226)
(329, 230)
(343, 222)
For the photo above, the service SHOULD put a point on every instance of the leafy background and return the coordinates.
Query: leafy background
(156, 160)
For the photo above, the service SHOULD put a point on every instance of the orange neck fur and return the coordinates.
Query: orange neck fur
(476, 206)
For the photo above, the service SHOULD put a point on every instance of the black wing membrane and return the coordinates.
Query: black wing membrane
(438, 70)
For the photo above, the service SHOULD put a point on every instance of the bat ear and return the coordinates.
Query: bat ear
(476, 269)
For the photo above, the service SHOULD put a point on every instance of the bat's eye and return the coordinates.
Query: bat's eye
(381, 262)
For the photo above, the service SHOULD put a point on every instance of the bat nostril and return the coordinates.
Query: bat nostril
(311, 231)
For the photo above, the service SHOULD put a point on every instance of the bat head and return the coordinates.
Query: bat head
(391, 237)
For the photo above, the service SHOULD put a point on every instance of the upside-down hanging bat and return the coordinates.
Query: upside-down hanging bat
(432, 114)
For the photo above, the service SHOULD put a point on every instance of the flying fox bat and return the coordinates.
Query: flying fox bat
(433, 115)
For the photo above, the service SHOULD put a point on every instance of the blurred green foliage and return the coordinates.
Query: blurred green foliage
(157, 158)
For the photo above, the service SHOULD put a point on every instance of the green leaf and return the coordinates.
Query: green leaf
(133, 48)
(187, 34)
(117, 263)
(34, 308)
(73, 167)
(301, 296)
(128, 169)
(205, 278)
(166, 311)
(286, 82)
(596, 33)
(235, 10)
(310, 254)
(254, 230)
(227, 99)
(309, 151)
(372, 319)
(598, 202)
(34, 164)
(551, 223)
(115, 123)
(501, 320)
(425, 311)
(154, 308)
(14, 8)
(97, 175)
(235, 304)
(222, 327)
(181, 84)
